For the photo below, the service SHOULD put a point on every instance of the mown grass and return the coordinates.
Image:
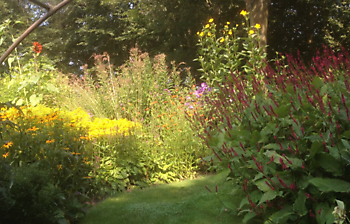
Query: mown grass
(182, 202)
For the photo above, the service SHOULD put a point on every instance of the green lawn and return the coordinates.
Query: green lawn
(184, 202)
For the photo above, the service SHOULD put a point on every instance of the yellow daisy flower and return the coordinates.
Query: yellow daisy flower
(8, 145)
(257, 26)
(243, 13)
(211, 20)
(251, 32)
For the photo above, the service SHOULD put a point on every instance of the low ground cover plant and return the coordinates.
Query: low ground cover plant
(286, 143)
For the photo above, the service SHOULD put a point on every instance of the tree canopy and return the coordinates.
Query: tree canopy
(85, 27)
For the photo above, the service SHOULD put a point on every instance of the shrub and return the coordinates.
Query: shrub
(145, 90)
(286, 142)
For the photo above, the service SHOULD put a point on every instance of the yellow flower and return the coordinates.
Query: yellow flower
(257, 26)
(228, 23)
(243, 13)
(211, 20)
(230, 32)
(207, 26)
(226, 26)
(251, 32)
(201, 34)
(198, 33)
(222, 40)
(50, 141)
(8, 145)
(59, 167)
(5, 155)
(243, 24)
(209, 34)
(33, 129)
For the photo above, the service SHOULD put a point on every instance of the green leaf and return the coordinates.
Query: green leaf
(262, 185)
(249, 216)
(299, 204)
(34, 99)
(51, 88)
(329, 163)
(10, 60)
(269, 195)
(281, 216)
(317, 82)
(229, 205)
(283, 110)
(345, 143)
(254, 137)
(346, 134)
(327, 184)
(324, 213)
(274, 146)
(316, 147)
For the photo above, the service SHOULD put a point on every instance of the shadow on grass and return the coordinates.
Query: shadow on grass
(184, 202)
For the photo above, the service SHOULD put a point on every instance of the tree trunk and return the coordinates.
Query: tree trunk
(259, 13)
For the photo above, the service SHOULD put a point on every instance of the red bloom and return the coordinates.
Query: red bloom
(37, 47)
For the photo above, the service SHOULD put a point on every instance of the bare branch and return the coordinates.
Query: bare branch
(51, 11)
(45, 6)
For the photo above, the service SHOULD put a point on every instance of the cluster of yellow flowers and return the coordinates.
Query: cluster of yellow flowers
(243, 13)
(78, 119)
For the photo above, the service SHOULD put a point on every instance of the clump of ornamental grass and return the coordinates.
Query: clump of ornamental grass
(286, 142)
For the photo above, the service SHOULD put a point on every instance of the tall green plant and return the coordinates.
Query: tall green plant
(229, 49)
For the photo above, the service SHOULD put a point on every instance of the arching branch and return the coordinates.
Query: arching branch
(50, 11)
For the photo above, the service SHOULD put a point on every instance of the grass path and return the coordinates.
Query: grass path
(184, 202)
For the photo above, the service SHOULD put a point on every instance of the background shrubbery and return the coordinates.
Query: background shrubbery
(281, 130)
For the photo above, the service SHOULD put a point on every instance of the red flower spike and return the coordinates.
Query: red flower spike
(242, 146)
(311, 214)
(282, 182)
(228, 165)
(267, 183)
(293, 186)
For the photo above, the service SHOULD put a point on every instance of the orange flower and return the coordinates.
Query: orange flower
(50, 141)
(165, 101)
(154, 102)
(37, 47)
(5, 155)
(147, 108)
(173, 96)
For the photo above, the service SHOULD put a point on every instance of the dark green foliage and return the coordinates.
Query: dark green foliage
(29, 196)
(286, 141)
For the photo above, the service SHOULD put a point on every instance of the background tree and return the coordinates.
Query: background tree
(85, 27)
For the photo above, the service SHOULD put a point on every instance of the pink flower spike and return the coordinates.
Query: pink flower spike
(208, 189)
(293, 187)
(267, 183)
(311, 214)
